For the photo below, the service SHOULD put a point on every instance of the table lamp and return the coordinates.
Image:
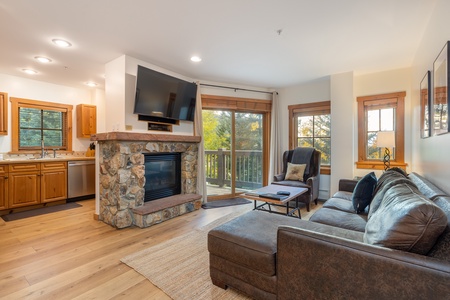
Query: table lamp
(386, 139)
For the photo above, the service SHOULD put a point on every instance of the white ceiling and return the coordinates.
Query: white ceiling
(237, 39)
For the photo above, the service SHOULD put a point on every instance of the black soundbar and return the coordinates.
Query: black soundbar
(158, 119)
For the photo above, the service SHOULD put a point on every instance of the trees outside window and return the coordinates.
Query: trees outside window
(310, 126)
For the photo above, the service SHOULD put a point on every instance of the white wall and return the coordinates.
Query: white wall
(21, 87)
(314, 91)
(430, 156)
(343, 127)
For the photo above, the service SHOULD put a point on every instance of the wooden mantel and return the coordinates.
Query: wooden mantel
(137, 136)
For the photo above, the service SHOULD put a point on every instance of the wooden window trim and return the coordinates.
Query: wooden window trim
(383, 100)
(308, 109)
(3, 113)
(16, 103)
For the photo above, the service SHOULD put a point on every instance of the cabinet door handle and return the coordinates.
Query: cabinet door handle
(6, 177)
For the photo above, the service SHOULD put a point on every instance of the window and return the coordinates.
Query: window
(380, 113)
(33, 121)
(310, 126)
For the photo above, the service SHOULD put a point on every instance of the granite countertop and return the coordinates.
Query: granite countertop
(24, 160)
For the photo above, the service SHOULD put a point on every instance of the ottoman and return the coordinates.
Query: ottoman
(243, 253)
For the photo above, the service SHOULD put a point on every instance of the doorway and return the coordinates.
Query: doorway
(234, 151)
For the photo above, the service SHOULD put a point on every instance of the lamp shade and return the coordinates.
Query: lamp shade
(386, 139)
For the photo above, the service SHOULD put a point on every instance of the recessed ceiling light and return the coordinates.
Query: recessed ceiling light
(91, 84)
(196, 59)
(61, 43)
(29, 71)
(43, 59)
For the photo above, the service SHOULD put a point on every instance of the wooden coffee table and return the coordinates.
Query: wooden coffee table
(257, 195)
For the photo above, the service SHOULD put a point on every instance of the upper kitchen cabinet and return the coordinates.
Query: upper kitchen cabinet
(86, 120)
(3, 113)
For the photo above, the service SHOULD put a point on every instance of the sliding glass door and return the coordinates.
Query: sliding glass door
(234, 158)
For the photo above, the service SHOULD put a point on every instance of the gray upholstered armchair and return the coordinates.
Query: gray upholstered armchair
(311, 177)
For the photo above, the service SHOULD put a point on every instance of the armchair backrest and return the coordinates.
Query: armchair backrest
(314, 164)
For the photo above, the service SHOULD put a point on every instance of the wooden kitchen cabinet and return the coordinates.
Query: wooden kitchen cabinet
(36, 183)
(24, 184)
(3, 187)
(53, 181)
(86, 120)
(3, 113)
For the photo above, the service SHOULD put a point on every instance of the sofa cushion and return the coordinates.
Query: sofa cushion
(343, 195)
(441, 248)
(388, 176)
(386, 181)
(341, 219)
(339, 204)
(405, 220)
(427, 188)
(295, 172)
(362, 195)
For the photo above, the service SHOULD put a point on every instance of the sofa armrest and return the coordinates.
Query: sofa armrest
(347, 185)
(279, 177)
(321, 266)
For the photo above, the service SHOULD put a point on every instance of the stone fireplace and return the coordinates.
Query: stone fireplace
(122, 161)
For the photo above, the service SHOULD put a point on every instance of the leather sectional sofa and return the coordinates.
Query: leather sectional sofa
(399, 248)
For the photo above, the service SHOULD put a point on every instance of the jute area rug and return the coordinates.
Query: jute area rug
(180, 266)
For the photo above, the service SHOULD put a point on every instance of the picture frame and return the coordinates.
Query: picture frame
(425, 105)
(440, 92)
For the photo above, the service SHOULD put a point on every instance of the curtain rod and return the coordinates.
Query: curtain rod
(236, 89)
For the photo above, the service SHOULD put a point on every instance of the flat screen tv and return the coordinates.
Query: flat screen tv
(162, 97)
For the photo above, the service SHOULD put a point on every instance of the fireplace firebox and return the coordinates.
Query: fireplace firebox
(162, 175)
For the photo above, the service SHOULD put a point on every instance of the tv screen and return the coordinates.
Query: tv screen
(163, 96)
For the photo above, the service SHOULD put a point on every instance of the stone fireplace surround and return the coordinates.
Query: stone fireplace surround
(122, 180)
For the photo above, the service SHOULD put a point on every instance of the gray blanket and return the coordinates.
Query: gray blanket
(302, 155)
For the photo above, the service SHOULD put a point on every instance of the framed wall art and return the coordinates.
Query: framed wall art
(440, 94)
(425, 102)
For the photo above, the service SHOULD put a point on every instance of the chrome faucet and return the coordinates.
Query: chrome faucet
(43, 153)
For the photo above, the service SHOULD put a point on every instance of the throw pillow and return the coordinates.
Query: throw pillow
(295, 172)
(362, 195)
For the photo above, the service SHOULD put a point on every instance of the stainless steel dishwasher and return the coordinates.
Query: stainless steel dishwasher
(81, 179)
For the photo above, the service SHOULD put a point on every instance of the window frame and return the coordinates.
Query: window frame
(314, 108)
(17, 103)
(396, 100)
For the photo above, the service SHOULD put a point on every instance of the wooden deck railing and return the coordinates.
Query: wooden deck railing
(248, 168)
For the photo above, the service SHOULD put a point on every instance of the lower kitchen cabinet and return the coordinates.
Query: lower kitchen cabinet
(35, 183)
(24, 184)
(53, 181)
(3, 187)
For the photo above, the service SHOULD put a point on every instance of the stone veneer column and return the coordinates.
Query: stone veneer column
(122, 177)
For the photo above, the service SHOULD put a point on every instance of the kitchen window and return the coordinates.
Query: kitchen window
(34, 121)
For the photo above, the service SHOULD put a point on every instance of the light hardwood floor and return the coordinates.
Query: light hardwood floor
(69, 255)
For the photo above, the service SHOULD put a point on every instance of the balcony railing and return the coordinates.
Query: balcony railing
(248, 168)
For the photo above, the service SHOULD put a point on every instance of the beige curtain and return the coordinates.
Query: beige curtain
(198, 130)
(275, 162)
